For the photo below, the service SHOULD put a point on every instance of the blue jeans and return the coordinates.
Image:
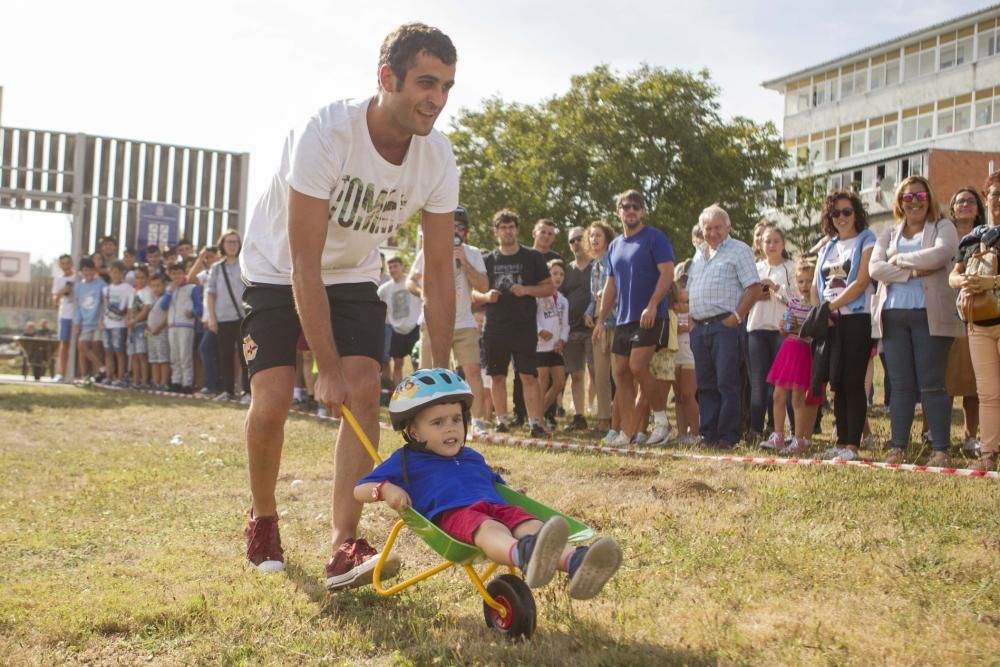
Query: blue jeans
(916, 360)
(763, 345)
(208, 350)
(718, 356)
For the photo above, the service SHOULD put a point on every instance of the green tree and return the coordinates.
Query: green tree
(653, 129)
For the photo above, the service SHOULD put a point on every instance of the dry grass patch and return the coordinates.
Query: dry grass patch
(122, 549)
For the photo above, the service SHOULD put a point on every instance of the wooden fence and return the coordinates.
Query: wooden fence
(34, 295)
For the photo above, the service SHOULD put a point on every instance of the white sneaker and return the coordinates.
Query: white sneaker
(477, 431)
(845, 454)
(58, 378)
(245, 399)
(775, 441)
(621, 440)
(640, 439)
(661, 435)
(830, 453)
(321, 411)
(798, 446)
(609, 437)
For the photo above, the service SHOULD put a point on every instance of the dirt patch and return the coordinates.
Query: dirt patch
(682, 487)
(631, 472)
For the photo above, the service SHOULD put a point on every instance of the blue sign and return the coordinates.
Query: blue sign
(159, 225)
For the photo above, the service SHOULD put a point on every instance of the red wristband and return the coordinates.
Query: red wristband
(377, 491)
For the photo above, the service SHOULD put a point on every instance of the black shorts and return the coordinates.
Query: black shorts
(631, 335)
(271, 325)
(402, 344)
(499, 348)
(548, 359)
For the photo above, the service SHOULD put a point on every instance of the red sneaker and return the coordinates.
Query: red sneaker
(352, 565)
(264, 543)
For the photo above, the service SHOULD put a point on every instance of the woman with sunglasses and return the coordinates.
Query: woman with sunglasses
(842, 282)
(914, 314)
(967, 212)
(984, 337)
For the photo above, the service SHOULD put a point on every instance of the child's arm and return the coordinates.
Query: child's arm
(564, 320)
(143, 314)
(394, 496)
(196, 302)
(540, 322)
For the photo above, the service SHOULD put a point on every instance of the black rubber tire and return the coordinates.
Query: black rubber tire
(514, 594)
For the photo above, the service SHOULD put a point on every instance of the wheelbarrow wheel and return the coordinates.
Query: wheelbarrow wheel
(516, 597)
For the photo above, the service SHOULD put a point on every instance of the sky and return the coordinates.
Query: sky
(237, 75)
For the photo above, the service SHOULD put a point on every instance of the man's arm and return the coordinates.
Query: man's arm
(542, 289)
(663, 283)
(439, 284)
(413, 282)
(477, 280)
(307, 229)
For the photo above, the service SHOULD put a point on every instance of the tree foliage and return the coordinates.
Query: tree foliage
(653, 129)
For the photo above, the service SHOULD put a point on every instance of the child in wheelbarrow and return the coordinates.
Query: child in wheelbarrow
(451, 485)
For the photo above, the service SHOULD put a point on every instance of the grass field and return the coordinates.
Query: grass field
(121, 548)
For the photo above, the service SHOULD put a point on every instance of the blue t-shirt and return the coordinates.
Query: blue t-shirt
(88, 295)
(634, 262)
(440, 483)
(908, 295)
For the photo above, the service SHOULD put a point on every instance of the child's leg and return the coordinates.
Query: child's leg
(142, 367)
(687, 403)
(544, 382)
(780, 399)
(120, 365)
(805, 415)
(558, 379)
(307, 372)
(534, 547)
(187, 357)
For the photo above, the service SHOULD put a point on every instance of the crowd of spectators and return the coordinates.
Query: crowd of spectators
(748, 343)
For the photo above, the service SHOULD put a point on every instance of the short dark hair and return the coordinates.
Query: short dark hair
(176, 266)
(395, 260)
(119, 265)
(109, 237)
(141, 268)
(826, 216)
(462, 215)
(505, 215)
(184, 242)
(87, 263)
(157, 276)
(630, 195)
(65, 256)
(128, 251)
(402, 46)
(152, 248)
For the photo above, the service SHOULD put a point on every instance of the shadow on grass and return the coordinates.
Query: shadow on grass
(87, 399)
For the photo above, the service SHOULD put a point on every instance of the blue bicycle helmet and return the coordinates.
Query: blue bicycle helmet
(427, 387)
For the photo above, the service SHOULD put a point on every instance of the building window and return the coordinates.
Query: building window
(854, 79)
(955, 52)
(875, 138)
(988, 46)
(824, 89)
(987, 107)
(918, 124)
(830, 149)
(919, 60)
(954, 115)
(844, 146)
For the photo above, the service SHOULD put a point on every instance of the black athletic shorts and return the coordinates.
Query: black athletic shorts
(500, 348)
(548, 359)
(631, 335)
(402, 344)
(271, 325)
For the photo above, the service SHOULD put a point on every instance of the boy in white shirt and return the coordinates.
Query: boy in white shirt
(138, 312)
(402, 314)
(552, 315)
(62, 296)
(117, 297)
(157, 342)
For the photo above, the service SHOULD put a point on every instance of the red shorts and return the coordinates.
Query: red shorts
(462, 522)
(815, 400)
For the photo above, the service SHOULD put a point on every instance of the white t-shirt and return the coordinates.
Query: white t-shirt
(552, 315)
(65, 302)
(463, 292)
(140, 299)
(837, 270)
(117, 299)
(333, 158)
(403, 309)
(766, 315)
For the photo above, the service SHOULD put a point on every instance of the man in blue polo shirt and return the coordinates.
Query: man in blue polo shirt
(642, 269)
(722, 287)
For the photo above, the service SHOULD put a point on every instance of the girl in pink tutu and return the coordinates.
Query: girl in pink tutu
(792, 371)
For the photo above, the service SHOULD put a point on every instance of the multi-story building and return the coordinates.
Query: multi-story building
(926, 103)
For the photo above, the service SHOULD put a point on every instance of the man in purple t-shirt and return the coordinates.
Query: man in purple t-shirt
(642, 269)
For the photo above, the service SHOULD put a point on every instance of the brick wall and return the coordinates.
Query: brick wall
(950, 170)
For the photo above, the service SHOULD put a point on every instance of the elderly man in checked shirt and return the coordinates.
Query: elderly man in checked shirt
(723, 285)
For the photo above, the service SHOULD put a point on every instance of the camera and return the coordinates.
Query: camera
(457, 242)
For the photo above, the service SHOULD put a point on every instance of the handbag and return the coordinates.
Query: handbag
(984, 305)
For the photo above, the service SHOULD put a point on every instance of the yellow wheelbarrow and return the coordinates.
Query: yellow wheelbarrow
(508, 605)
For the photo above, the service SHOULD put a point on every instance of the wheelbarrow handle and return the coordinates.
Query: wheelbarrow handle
(360, 432)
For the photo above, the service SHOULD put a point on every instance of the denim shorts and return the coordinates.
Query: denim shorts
(114, 340)
(65, 329)
(137, 340)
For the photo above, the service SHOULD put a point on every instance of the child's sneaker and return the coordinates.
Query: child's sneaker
(971, 446)
(661, 435)
(797, 446)
(264, 544)
(621, 440)
(640, 438)
(352, 565)
(847, 454)
(609, 437)
(591, 567)
(775, 441)
(539, 554)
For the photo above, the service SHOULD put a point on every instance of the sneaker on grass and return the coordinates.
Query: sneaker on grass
(264, 550)
(591, 567)
(537, 431)
(798, 446)
(538, 555)
(661, 435)
(609, 437)
(775, 441)
(352, 565)
(621, 440)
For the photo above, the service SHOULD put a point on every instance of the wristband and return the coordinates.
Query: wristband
(377, 491)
